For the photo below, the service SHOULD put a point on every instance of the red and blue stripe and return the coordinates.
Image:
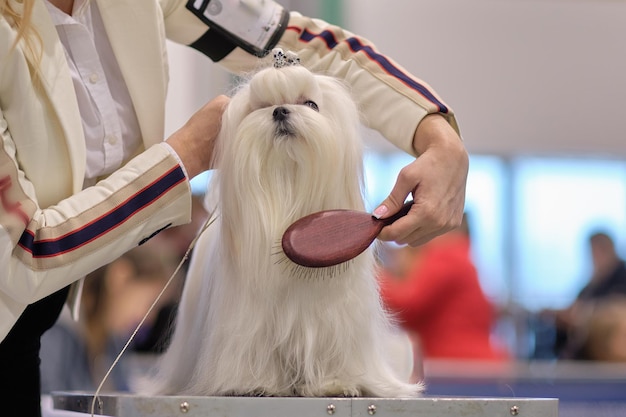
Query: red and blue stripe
(356, 46)
(47, 248)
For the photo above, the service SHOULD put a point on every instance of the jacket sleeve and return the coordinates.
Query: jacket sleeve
(392, 100)
(43, 249)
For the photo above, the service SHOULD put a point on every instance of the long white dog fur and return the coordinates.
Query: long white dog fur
(250, 321)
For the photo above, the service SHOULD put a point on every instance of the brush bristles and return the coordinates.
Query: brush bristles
(304, 272)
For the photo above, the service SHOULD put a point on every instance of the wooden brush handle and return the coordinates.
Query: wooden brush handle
(403, 212)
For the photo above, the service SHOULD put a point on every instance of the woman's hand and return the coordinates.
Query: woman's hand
(436, 179)
(195, 140)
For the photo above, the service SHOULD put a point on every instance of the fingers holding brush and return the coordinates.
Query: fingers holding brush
(436, 179)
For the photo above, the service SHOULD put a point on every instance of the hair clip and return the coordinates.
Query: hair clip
(285, 59)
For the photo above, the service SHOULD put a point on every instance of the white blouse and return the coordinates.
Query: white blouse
(110, 124)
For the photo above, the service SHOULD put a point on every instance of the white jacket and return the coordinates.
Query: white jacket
(52, 233)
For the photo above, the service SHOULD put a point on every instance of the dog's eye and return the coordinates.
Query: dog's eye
(312, 105)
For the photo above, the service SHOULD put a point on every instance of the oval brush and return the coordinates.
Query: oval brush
(331, 237)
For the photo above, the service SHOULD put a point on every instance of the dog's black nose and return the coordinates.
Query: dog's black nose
(280, 113)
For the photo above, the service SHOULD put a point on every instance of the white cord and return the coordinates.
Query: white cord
(206, 225)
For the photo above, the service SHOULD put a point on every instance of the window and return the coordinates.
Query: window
(487, 212)
(557, 204)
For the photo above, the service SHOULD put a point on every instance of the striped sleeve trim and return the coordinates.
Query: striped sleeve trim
(64, 243)
(355, 45)
(16, 207)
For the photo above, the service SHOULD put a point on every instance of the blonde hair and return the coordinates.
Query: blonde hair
(21, 20)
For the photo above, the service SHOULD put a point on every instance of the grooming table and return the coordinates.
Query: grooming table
(127, 405)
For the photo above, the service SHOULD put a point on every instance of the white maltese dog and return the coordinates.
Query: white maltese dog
(250, 321)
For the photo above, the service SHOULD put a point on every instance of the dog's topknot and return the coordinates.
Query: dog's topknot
(285, 59)
(284, 85)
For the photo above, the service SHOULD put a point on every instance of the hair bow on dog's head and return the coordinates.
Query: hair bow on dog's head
(285, 59)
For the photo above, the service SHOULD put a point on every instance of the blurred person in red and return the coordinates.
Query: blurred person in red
(435, 293)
